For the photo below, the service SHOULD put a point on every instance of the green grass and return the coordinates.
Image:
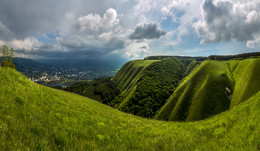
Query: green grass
(203, 92)
(35, 117)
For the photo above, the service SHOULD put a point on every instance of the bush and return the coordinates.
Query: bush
(102, 89)
(7, 57)
(20, 100)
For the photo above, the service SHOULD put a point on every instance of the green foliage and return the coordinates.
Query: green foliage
(182, 58)
(51, 119)
(101, 89)
(154, 86)
(238, 57)
(211, 88)
(7, 57)
(212, 57)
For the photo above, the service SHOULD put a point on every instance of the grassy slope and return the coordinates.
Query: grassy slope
(247, 76)
(127, 77)
(202, 93)
(34, 117)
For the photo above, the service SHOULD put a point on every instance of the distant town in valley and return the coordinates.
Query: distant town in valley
(63, 74)
(52, 73)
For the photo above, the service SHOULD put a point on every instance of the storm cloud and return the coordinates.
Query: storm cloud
(27, 17)
(147, 31)
(229, 20)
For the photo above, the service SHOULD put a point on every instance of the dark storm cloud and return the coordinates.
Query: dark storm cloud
(147, 31)
(90, 53)
(5, 33)
(227, 20)
(75, 50)
(27, 17)
(78, 43)
(143, 47)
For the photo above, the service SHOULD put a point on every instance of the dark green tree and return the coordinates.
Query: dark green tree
(7, 57)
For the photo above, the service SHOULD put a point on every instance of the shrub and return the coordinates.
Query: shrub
(20, 100)
(7, 57)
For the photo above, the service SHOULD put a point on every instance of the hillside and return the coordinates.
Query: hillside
(146, 84)
(34, 117)
(211, 88)
(128, 75)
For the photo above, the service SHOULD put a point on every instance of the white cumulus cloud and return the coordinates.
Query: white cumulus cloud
(26, 44)
(96, 22)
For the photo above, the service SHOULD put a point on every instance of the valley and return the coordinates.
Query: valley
(35, 117)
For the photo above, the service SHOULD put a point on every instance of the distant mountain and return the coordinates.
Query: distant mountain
(22, 63)
(29, 63)
(30, 67)
(104, 66)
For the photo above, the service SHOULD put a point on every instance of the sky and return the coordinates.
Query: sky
(130, 29)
